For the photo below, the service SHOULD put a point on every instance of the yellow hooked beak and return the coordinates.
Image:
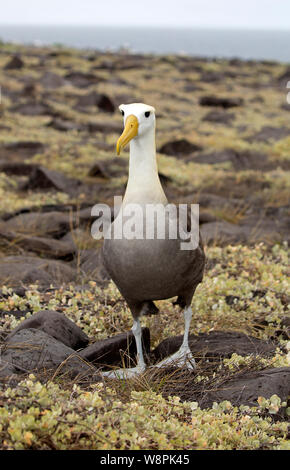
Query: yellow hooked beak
(130, 131)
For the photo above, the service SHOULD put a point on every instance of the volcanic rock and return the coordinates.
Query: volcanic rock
(15, 63)
(179, 148)
(31, 350)
(56, 325)
(220, 101)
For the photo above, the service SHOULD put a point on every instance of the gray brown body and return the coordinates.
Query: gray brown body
(147, 270)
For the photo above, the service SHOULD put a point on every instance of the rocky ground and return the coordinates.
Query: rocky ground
(223, 140)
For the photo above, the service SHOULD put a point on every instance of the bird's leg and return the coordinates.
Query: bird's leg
(137, 332)
(127, 373)
(183, 356)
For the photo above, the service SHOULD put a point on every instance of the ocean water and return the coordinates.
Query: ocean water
(228, 43)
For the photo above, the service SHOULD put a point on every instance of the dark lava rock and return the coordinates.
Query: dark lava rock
(285, 106)
(118, 350)
(90, 264)
(106, 64)
(30, 90)
(82, 79)
(223, 233)
(219, 101)
(216, 344)
(15, 270)
(33, 350)
(179, 148)
(42, 178)
(6, 369)
(220, 117)
(252, 229)
(244, 160)
(247, 388)
(44, 246)
(33, 108)
(4, 128)
(210, 200)
(259, 228)
(56, 325)
(14, 63)
(52, 80)
(8, 375)
(205, 217)
(211, 77)
(58, 53)
(222, 156)
(11, 94)
(91, 57)
(164, 179)
(100, 169)
(102, 101)
(78, 238)
(268, 133)
(82, 208)
(84, 215)
(64, 125)
(123, 64)
(241, 160)
(51, 222)
(191, 87)
(232, 187)
(16, 168)
(21, 149)
(110, 168)
(105, 127)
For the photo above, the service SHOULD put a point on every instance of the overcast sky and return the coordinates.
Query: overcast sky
(274, 14)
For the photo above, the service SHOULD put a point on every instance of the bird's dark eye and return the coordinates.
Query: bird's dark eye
(147, 113)
(122, 112)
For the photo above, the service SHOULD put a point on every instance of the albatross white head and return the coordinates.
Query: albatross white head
(139, 129)
(139, 124)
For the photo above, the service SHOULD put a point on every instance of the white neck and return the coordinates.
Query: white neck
(143, 183)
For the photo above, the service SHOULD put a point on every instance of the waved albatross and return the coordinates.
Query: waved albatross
(148, 269)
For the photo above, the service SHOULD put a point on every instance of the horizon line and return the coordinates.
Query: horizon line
(162, 26)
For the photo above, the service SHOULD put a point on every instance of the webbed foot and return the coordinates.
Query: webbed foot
(123, 374)
(182, 358)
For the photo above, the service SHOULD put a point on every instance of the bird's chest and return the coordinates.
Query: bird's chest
(140, 257)
(146, 269)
